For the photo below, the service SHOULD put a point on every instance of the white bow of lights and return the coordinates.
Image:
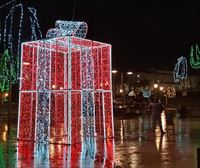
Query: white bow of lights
(68, 28)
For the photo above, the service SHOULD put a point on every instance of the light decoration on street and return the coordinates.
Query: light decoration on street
(180, 70)
(146, 93)
(7, 72)
(70, 28)
(12, 26)
(195, 57)
(65, 89)
(169, 92)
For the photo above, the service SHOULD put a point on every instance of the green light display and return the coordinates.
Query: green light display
(7, 72)
(195, 62)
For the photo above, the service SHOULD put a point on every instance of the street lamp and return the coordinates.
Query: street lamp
(161, 88)
(114, 71)
(158, 90)
(129, 73)
(122, 86)
(155, 86)
(155, 89)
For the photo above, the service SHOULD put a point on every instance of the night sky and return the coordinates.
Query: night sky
(142, 34)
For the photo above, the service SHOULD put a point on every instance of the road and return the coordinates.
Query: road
(132, 147)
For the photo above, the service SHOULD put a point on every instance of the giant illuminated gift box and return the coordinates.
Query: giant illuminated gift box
(65, 90)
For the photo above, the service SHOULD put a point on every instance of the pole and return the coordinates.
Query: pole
(123, 88)
(198, 157)
(114, 86)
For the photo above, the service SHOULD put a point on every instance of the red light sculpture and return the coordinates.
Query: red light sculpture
(65, 90)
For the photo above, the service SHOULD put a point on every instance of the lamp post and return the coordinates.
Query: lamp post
(159, 91)
(129, 74)
(130, 82)
(122, 88)
(121, 85)
(125, 77)
(161, 88)
(155, 89)
(114, 72)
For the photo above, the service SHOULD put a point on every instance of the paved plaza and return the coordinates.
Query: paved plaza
(133, 147)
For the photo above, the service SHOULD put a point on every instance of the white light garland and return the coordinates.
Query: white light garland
(34, 23)
(7, 39)
(0, 32)
(19, 39)
(180, 70)
(43, 106)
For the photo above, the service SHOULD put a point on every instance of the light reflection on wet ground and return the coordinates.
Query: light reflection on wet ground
(138, 148)
(133, 146)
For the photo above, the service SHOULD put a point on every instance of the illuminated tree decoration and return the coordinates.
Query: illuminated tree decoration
(180, 70)
(65, 87)
(12, 26)
(195, 62)
(6, 71)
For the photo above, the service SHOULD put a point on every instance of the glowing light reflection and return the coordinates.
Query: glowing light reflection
(89, 153)
(121, 129)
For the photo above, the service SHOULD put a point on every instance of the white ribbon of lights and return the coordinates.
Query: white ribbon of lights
(180, 70)
(64, 28)
(87, 94)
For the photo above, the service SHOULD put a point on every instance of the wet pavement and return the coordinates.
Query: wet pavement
(134, 146)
